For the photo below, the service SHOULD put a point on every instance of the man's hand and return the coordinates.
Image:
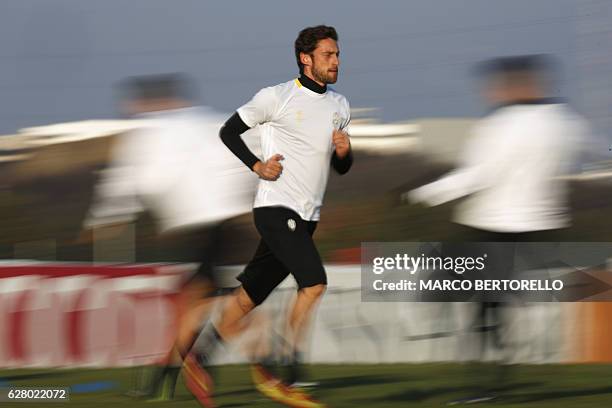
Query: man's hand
(271, 169)
(342, 142)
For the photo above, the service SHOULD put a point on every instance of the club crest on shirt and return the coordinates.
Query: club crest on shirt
(337, 120)
(291, 224)
(299, 116)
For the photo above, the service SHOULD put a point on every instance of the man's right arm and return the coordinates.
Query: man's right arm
(486, 158)
(260, 109)
(231, 136)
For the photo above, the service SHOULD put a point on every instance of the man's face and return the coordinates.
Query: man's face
(325, 60)
(509, 88)
(495, 91)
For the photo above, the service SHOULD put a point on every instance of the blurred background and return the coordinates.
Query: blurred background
(407, 70)
(406, 66)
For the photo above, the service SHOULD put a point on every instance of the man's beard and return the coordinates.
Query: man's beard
(324, 76)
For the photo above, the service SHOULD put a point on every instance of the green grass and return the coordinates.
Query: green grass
(397, 385)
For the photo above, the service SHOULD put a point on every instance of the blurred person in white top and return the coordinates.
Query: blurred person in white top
(510, 175)
(511, 169)
(175, 167)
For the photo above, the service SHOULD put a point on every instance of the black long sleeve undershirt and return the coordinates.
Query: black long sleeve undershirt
(230, 135)
(342, 165)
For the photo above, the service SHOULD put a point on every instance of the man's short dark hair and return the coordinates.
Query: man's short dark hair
(308, 39)
(160, 86)
(520, 64)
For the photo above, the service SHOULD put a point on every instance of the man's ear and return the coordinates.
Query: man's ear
(305, 59)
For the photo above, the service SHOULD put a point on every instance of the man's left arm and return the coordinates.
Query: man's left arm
(342, 159)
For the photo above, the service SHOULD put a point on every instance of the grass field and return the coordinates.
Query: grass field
(398, 385)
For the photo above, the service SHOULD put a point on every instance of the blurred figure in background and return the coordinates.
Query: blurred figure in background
(176, 168)
(510, 171)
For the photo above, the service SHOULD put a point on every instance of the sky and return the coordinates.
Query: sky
(60, 59)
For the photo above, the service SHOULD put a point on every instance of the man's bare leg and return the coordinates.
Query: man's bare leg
(194, 304)
(298, 325)
(302, 312)
(236, 308)
(240, 304)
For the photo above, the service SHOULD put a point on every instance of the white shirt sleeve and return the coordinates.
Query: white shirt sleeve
(345, 125)
(487, 154)
(260, 109)
(115, 196)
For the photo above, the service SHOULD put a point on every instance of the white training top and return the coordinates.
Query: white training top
(177, 167)
(298, 124)
(512, 170)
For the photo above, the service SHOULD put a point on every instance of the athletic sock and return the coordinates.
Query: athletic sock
(295, 368)
(269, 364)
(164, 376)
(208, 344)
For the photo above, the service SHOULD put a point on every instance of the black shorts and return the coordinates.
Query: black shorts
(501, 249)
(286, 247)
(203, 245)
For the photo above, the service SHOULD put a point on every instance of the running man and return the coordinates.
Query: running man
(175, 167)
(303, 131)
(511, 177)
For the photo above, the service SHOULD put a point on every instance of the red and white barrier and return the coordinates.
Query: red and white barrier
(81, 315)
(69, 315)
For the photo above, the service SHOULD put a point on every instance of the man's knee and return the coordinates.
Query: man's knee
(244, 301)
(313, 292)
